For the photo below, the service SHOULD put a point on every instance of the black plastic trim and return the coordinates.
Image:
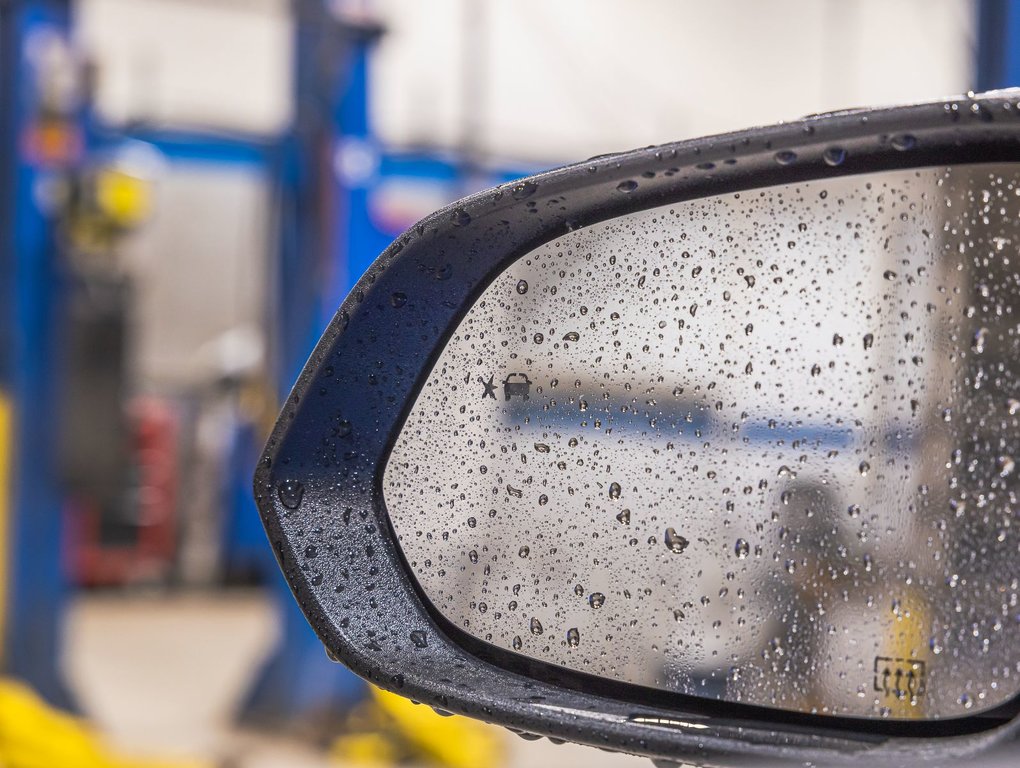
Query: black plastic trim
(337, 548)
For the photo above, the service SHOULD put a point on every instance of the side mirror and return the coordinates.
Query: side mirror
(705, 451)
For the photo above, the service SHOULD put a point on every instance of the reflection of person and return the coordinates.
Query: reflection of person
(830, 622)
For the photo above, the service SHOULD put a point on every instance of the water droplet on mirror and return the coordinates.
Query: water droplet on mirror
(786, 157)
(291, 492)
(517, 643)
(864, 467)
(675, 543)
(523, 551)
(979, 340)
(869, 340)
(523, 190)
(627, 186)
(596, 600)
(536, 627)
(419, 639)
(541, 447)
(614, 490)
(624, 517)
(573, 637)
(742, 548)
(398, 299)
(903, 142)
(1006, 466)
(834, 156)
(571, 336)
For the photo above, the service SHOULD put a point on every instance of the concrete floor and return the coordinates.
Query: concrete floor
(163, 676)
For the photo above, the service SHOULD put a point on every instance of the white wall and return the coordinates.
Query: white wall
(199, 267)
(567, 79)
(553, 81)
(220, 64)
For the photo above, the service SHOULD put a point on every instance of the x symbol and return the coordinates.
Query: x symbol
(490, 388)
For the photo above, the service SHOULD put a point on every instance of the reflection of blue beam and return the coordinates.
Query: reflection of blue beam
(810, 435)
(679, 420)
(622, 415)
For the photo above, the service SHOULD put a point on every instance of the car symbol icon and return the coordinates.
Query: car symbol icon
(516, 384)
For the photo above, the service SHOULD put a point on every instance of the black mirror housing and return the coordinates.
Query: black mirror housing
(319, 483)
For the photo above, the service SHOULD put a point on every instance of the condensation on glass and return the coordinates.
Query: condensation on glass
(758, 448)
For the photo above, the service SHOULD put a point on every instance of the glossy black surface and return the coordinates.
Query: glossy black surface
(318, 486)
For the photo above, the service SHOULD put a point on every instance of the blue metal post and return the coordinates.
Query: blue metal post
(997, 62)
(313, 276)
(35, 584)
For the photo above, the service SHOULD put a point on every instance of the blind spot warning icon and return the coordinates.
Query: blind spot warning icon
(517, 385)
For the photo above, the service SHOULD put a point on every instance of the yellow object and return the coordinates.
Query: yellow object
(367, 750)
(6, 438)
(390, 728)
(906, 643)
(125, 199)
(32, 735)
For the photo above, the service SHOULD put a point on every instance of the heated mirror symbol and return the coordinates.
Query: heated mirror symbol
(899, 678)
(747, 448)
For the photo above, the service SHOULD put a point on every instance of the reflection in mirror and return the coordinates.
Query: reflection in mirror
(758, 448)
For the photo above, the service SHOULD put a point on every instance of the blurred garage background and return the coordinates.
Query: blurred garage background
(187, 190)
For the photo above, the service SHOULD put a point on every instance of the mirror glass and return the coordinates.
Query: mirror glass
(758, 448)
